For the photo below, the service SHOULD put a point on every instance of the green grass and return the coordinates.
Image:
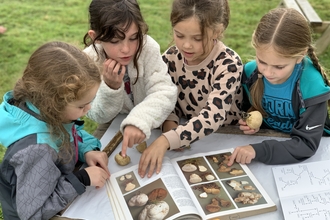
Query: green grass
(32, 23)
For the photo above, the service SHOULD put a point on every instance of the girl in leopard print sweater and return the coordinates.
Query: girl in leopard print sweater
(207, 74)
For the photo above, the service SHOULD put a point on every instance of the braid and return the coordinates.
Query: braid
(317, 65)
(256, 91)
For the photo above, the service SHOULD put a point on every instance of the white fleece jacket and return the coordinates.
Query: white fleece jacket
(154, 94)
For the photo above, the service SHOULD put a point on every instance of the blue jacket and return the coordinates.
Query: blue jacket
(34, 182)
(309, 101)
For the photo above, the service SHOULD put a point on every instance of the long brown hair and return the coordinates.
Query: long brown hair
(288, 32)
(56, 74)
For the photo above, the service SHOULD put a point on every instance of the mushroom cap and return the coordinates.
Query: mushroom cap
(254, 119)
(122, 161)
(189, 167)
(129, 187)
(194, 178)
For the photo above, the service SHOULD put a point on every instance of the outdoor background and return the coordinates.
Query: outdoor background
(31, 23)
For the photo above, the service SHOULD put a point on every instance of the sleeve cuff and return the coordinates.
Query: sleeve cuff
(79, 187)
(83, 177)
(173, 138)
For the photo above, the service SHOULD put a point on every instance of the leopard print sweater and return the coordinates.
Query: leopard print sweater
(209, 94)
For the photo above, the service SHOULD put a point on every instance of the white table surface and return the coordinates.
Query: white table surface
(95, 204)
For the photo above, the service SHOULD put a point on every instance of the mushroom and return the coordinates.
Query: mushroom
(236, 172)
(249, 187)
(203, 195)
(248, 198)
(122, 178)
(155, 211)
(209, 177)
(128, 176)
(253, 119)
(234, 184)
(224, 203)
(213, 206)
(129, 186)
(189, 167)
(194, 178)
(202, 168)
(211, 190)
(138, 200)
(243, 182)
(141, 147)
(122, 161)
(157, 194)
(223, 169)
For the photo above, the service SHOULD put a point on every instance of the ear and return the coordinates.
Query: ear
(301, 57)
(92, 34)
(217, 32)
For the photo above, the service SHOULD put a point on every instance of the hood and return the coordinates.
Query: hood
(16, 123)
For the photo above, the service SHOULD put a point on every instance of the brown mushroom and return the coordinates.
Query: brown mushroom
(223, 168)
(157, 194)
(141, 147)
(213, 206)
(122, 161)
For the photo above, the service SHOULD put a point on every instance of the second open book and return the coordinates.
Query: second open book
(200, 186)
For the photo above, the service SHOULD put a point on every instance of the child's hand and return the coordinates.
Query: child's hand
(152, 157)
(242, 155)
(113, 73)
(97, 158)
(132, 135)
(245, 128)
(97, 176)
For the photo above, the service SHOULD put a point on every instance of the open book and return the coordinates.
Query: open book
(200, 186)
(304, 190)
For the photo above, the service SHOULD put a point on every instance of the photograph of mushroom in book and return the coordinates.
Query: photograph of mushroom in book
(149, 202)
(218, 187)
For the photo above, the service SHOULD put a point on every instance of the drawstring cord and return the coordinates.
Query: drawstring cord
(76, 138)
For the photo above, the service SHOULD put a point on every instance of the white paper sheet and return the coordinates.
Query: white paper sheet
(304, 190)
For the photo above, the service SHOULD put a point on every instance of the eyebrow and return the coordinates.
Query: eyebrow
(260, 60)
(136, 33)
(196, 35)
(88, 102)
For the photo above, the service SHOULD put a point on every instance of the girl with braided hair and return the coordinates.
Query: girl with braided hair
(288, 85)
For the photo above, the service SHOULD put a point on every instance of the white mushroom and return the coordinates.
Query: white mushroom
(129, 187)
(235, 185)
(138, 200)
(189, 167)
(194, 178)
(248, 198)
(122, 178)
(203, 195)
(209, 177)
(202, 168)
(128, 176)
(157, 211)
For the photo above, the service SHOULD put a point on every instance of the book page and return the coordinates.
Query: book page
(295, 179)
(312, 206)
(304, 190)
(161, 196)
(221, 191)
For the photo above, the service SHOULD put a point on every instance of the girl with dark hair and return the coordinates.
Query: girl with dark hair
(135, 79)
